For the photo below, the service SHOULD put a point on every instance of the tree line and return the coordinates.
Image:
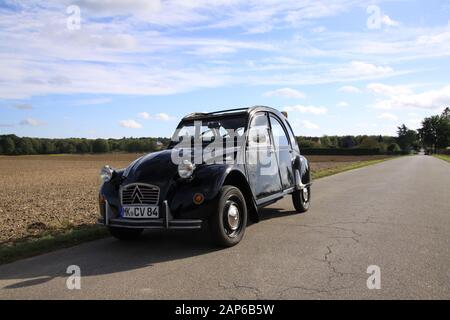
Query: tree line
(434, 136)
(14, 145)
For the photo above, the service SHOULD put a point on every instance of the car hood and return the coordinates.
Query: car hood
(154, 168)
(158, 168)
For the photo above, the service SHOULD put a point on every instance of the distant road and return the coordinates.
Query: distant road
(395, 215)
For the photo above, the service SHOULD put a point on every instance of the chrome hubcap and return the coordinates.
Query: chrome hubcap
(305, 195)
(233, 217)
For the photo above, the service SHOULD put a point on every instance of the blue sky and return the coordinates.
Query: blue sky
(135, 67)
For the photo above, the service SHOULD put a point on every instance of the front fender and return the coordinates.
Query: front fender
(109, 191)
(208, 181)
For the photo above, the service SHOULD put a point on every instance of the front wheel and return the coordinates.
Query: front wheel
(125, 234)
(302, 199)
(228, 223)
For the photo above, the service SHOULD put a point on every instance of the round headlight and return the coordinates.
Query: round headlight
(106, 173)
(186, 169)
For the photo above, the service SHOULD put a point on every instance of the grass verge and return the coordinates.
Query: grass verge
(329, 172)
(32, 247)
(442, 157)
(71, 237)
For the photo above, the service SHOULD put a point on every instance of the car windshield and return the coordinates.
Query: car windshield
(210, 130)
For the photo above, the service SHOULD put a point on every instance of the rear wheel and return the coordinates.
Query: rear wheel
(228, 223)
(125, 234)
(302, 199)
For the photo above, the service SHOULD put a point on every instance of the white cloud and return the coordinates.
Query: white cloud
(319, 29)
(360, 69)
(349, 89)
(131, 56)
(144, 115)
(141, 51)
(343, 104)
(434, 39)
(388, 116)
(159, 117)
(386, 20)
(386, 90)
(163, 117)
(414, 122)
(130, 124)
(32, 122)
(306, 109)
(308, 125)
(118, 7)
(259, 29)
(431, 100)
(286, 93)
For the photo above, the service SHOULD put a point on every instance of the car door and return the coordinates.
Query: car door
(283, 151)
(261, 161)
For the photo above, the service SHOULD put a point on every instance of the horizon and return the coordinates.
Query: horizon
(85, 69)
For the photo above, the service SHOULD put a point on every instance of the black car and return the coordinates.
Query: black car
(218, 171)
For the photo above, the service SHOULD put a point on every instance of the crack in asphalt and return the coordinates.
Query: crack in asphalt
(334, 272)
(256, 291)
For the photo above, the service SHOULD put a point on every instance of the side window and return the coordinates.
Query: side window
(293, 138)
(279, 135)
(259, 131)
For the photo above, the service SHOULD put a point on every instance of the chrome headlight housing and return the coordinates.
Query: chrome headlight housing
(107, 173)
(186, 169)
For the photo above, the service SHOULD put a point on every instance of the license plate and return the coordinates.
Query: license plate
(141, 212)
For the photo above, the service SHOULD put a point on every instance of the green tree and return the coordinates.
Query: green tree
(37, 145)
(100, 146)
(9, 147)
(444, 129)
(83, 146)
(446, 113)
(325, 141)
(66, 146)
(393, 147)
(369, 143)
(308, 144)
(25, 146)
(348, 142)
(135, 146)
(407, 138)
(48, 147)
(435, 131)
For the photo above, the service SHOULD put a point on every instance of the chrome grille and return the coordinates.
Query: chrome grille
(138, 194)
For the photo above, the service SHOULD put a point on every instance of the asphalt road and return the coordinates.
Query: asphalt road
(395, 215)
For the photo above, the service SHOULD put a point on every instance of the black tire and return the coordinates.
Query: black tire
(301, 200)
(125, 234)
(227, 230)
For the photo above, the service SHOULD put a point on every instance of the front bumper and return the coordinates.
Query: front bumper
(167, 222)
